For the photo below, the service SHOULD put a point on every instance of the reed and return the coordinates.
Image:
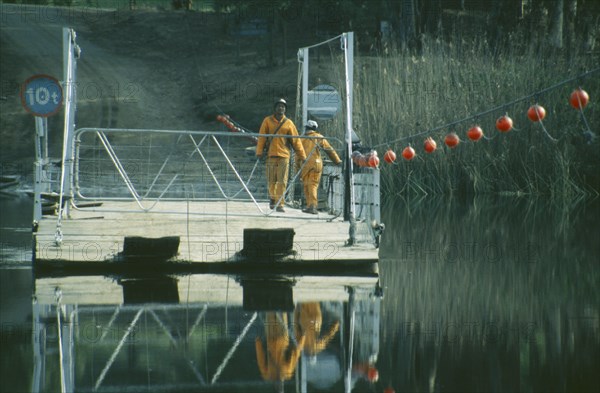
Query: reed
(401, 95)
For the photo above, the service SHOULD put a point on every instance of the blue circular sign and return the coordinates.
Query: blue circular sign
(42, 95)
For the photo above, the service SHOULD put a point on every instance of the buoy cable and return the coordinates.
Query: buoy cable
(492, 110)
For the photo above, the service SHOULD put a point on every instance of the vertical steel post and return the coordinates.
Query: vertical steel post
(45, 150)
(348, 46)
(38, 169)
(70, 54)
(305, 64)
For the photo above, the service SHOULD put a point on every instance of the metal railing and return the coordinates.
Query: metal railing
(149, 166)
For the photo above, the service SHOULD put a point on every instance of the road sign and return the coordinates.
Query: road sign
(324, 102)
(42, 95)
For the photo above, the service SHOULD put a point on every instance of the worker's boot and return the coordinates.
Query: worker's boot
(310, 210)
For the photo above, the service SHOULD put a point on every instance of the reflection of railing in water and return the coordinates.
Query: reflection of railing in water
(193, 345)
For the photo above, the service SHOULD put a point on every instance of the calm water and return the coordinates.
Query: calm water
(483, 295)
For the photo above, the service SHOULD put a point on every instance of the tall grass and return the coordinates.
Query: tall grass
(403, 93)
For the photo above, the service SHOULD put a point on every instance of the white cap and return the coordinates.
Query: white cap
(312, 125)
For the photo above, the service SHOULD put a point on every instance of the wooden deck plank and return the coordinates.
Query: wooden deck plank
(208, 231)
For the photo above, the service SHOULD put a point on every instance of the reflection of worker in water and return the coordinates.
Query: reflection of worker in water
(309, 320)
(281, 357)
(313, 167)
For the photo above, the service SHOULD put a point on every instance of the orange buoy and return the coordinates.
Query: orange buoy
(408, 153)
(372, 374)
(430, 145)
(452, 140)
(362, 161)
(389, 156)
(373, 161)
(389, 389)
(579, 98)
(504, 123)
(475, 133)
(536, 113)
(219, 118)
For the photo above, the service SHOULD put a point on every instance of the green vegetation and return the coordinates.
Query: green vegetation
(437, 63)
(405, 93)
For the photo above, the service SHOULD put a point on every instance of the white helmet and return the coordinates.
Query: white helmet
(311, 125)
(280, 101)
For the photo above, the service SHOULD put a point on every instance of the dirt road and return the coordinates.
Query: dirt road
(141, 69)
(32, 44)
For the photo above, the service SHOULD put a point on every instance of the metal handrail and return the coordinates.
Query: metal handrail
(206, 135)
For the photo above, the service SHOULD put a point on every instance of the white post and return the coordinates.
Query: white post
(350, 74)
(304, 87)
(45, 149)
(38, 168)
(70, 69)
(348, 40)
(70, 54)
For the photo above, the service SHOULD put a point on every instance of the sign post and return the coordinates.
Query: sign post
(41, 95)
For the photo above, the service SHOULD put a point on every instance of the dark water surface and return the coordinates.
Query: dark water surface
(492, 294)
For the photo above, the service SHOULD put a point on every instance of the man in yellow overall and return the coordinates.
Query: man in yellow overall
(313, 168)
(277, 152)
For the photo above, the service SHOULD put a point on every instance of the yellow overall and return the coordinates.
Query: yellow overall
(278, 155)
(313, 168)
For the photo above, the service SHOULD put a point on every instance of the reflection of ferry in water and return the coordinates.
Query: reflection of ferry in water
(8, 182)
(205, 333)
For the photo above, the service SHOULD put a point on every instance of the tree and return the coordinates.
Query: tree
(430, 13)
(588, 18)
(502, 21)
(408, 23)
(569, 25)
(556, 14)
